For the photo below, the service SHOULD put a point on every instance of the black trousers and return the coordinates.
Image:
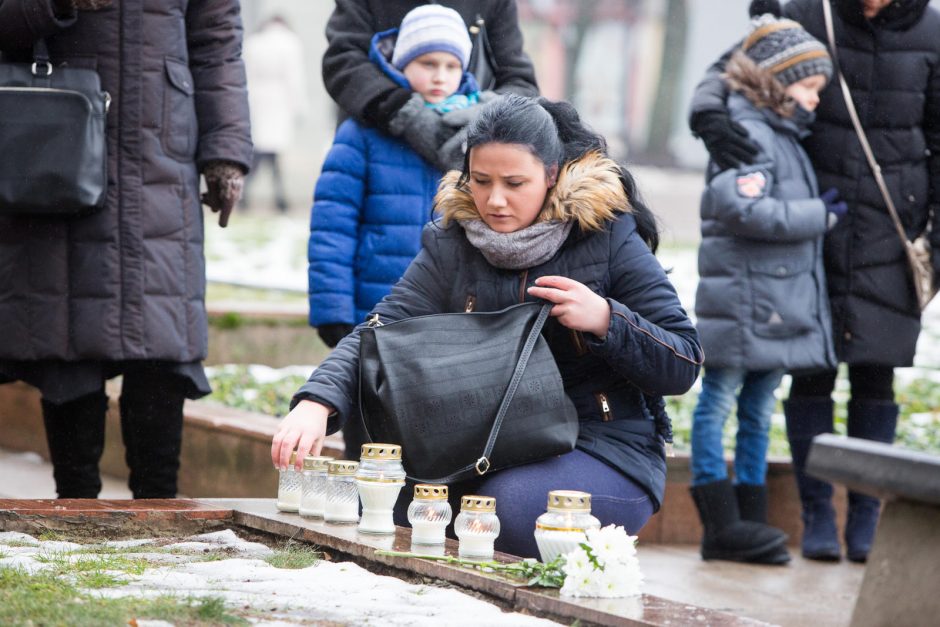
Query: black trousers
(151, 407)
(874, 383)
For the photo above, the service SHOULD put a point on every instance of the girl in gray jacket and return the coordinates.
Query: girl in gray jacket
(761, 302)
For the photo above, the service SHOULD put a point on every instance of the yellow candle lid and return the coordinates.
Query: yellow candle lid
(341, 467)
(378, 450)
(316, 462)
(431, 492)
(569, 501)
(476, 503)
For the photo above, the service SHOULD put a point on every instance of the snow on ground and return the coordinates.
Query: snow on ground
(327, 591)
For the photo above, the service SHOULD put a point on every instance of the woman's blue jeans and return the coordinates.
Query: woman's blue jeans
(755, 406)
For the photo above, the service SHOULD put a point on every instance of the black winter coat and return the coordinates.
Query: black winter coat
(357, 85)
(651, 347)
(892, 65)
(128, 282)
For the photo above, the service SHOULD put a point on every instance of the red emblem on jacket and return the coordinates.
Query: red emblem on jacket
(751, 185)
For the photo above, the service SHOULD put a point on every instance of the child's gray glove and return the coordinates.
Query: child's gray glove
(423, 129)
(453, 150)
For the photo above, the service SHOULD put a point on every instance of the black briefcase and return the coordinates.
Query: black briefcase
(465, 393)
(53, 157)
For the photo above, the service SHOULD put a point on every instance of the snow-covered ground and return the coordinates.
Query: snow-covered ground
(341, 592)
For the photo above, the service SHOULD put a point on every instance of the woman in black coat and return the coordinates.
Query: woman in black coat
(540, 212)
(121, 291)
(889, 52)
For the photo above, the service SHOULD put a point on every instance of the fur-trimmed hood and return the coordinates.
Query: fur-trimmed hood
(589, 190)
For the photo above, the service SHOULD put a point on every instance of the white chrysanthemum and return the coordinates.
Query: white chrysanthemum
(611, 544)
(584, 583)
(577, 561)
(621, 580)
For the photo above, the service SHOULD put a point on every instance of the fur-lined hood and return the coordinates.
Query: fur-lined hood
(588, 190)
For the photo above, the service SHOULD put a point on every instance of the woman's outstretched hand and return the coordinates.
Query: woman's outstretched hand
(576, 306)
(303, 429)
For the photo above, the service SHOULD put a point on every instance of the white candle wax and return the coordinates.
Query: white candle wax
(313, 502)
(341, 511)
(378, 500)
(427, 532)
(288, 498)
(553, 543)
(474, 545)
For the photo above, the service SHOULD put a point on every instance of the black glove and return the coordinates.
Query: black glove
(331, 334)
(727, 141)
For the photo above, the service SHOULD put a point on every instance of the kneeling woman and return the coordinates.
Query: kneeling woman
(540, 212)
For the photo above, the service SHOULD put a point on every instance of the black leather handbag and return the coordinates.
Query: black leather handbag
(465, 393)
(53, 158)
(482, 63)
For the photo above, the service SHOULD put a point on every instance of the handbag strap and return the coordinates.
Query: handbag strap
(866, 148)
(482, 465)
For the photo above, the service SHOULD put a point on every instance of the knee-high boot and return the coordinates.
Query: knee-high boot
(75, 433)
(807, 417)
(871, 420)
(152, 428)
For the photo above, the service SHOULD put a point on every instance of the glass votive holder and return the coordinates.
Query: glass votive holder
(429, 514)
(561, 529)
(379, 478)
(313, 497)
(477, 527)
(289, 487)
(342, 497)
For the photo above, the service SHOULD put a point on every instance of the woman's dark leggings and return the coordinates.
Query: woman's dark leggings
(522, 493)
(875, 383)
(151, 426)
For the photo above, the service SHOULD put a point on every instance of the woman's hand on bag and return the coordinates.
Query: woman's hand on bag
(576, 306)
(303, 430)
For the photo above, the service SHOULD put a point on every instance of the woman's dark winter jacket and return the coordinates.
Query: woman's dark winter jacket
(127, 283)
(892, 65)
(372, 199)
(366, 93)
(761, 302)
(650, 349)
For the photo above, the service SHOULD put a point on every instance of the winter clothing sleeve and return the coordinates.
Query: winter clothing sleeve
(651, 340)
(22, 22)
(214, 36)
(514, 71)
(932, 135)
(334, 228)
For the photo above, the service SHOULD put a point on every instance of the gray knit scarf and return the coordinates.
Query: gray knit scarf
(521, 249)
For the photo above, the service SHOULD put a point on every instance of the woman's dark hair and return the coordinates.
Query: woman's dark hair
(554, 133)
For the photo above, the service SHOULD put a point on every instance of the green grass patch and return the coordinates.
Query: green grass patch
(47, 599)
(233, 386)
(294, 555)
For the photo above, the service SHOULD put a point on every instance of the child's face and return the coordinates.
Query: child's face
(806, 91)
(435, 75)
(508, 184)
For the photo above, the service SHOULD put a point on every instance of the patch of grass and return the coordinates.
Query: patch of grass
(234, 386)
(45, 599)
(294, 555)
(17, 544)
(50, 535)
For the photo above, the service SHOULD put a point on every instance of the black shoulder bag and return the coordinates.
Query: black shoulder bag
(482, 63)
(53, 158)
(465, 393)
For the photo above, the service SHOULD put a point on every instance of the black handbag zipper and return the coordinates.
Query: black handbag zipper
(605, 406)
(470, 304)
(54, 90)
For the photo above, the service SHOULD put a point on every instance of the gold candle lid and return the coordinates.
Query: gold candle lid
(569, 501)
(316, 462)
(475, 503)
(341, 467)
(431, 492)
(377, 450)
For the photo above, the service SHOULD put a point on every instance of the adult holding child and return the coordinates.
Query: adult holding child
(890, 56)
(540, 212)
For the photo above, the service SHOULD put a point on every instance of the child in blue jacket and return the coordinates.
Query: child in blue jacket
(761, 304)
(375, 192)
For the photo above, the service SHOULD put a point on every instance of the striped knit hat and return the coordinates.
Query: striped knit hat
(431, 28)
(786, 50)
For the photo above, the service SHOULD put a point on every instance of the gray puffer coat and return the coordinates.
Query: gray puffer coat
(761, 302)
(127, 282)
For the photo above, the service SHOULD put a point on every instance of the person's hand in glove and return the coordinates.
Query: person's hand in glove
(424, 130)
(452, 151)
(331, 334)
(835, 208)
(224, 182)
(726, 140)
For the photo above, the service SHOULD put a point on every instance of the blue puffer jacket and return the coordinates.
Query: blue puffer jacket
(372, 198)
(761, 302)
(616, 384)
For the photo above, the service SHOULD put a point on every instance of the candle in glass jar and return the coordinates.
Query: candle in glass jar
(379, 478)
(477, 527)
(562, 528)
(313, 497)
(342, 497)
(289, 487)
(429, 514)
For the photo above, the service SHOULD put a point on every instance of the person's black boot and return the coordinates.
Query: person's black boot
(152, 428)
(726, 536)
(752, 506)
(806, 418)
(870, 420)
(75, 434)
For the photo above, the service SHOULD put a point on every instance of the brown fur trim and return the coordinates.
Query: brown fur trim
(757, 85)
(588, 190)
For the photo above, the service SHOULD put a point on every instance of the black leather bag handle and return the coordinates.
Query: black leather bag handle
(482, 464)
